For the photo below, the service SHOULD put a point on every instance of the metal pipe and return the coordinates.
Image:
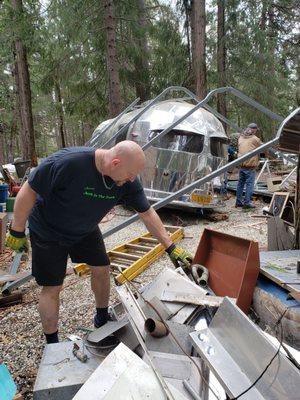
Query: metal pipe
(195, 184)
(289, 175)
(155, 328)
(255, 104)
(115, 120)
(200, 274)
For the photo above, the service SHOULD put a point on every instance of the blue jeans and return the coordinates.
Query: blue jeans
(246, 177)
(223, 189)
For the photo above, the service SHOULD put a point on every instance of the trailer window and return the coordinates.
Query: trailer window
(179, 140)
(218, 147)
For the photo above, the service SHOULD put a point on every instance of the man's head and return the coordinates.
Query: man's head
(253, 127)
(123, 162)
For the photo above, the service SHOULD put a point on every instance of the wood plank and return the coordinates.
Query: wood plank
(11, 299)
(118, 266)
(149, 240)
(126, 256)
(137, 247)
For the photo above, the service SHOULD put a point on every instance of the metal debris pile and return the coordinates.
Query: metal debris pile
(177, 341)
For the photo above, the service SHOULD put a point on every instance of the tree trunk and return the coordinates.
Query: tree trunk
(23, 89)
(61, 127)
(271, 43)
(142, 82)
(221, 59)
(198, 24)
(115, 103)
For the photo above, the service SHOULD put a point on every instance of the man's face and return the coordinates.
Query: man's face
(122, 174)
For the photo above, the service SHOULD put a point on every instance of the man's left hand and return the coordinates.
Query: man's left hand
(179, 256)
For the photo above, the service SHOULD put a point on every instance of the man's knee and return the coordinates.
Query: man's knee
(100, 271)
(51, 291)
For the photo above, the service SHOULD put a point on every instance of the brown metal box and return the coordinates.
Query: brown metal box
(233, 265)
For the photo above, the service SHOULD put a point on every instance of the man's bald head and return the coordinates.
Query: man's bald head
(123, 162)
(128, 150)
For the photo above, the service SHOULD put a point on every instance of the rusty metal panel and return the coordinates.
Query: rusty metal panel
(233, 265)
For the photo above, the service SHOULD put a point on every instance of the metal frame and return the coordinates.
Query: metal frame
(265, 166)
(195, 184)
(202, 103)
(149, 105)
(115, 120)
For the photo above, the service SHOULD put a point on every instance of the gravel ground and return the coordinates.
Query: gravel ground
(21, 338)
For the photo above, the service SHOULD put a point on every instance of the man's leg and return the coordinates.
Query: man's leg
(250, 179)
(49, 311)
(240, 188)
(100, 284)
(49, 261)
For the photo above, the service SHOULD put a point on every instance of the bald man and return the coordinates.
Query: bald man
(65, 198)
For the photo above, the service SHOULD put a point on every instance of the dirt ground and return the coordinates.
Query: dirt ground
(21, 337)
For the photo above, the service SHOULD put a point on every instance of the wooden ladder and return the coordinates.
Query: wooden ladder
(133, 257)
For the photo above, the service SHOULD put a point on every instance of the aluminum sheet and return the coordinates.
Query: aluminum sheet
(237, 352)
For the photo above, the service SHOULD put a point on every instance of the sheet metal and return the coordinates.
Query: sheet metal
(176, 369)
(124, 375)
(60, 373)
(237, 352)
(169, 279)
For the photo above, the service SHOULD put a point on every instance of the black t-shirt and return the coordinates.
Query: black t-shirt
(72, 197)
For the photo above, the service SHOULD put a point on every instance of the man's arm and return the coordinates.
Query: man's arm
(178, 256)
(23, 205)
(155, 227)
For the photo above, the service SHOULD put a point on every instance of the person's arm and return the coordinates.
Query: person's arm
(155, 227)
(23, 205)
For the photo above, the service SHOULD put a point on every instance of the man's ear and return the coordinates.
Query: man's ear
(115, 162)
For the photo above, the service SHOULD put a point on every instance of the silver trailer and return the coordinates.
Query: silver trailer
(192, 149)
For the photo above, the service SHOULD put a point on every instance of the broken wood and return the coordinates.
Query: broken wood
(11, 299)
(217, 217)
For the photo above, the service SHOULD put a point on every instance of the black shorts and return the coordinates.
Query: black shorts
(49, 259)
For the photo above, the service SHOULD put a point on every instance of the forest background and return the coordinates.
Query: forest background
(67, 65)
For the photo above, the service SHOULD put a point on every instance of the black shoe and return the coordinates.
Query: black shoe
(98, 324)
(239, 205)
(248, 207)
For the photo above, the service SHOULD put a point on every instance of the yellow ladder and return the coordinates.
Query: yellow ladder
(133, 257)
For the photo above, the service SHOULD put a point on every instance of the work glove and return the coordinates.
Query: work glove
(17, 241)
(179, 256)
